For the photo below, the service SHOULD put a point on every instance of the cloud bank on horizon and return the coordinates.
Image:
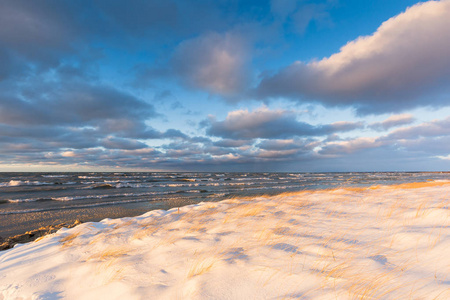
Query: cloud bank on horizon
(224, 85)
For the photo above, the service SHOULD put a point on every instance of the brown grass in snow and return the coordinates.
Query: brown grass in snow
(68, 240)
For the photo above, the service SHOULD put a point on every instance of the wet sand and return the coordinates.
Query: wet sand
(15, 224)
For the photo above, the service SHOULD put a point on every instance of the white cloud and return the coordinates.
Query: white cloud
(350, 146)
(69, 154)
(393, 121)
(390, 70)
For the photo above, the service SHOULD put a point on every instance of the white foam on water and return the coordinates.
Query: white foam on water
(23, 183)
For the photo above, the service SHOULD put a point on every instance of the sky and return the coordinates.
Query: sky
(246, 86)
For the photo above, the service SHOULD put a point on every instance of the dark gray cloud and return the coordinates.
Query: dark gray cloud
(264, 123)
(8, 64)
(54, 100)
(65, 91)
(78, 104)
(305, 145)
(42, 23)
(121, 143)
(48, 138)
(404, 64)
(232, 143)
(428, 141)
(37, 36)
(66, 31)
(71, 118)
(213, 62)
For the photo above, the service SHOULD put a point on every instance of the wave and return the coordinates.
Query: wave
(117, 184)
(30, 200)
(177, 183)
(190, 191)
(86, 197)
(24, 211)
(22, 183)
(218, 195)
(196, 191)
(103, 186)
(252, 178)
(13, 183)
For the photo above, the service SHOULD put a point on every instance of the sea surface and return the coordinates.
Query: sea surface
(32, 200)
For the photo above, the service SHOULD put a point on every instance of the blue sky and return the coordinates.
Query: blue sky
(277, 85)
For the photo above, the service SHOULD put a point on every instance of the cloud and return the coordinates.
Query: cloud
(288, 144)
(36, 36)
(73, 104)
(265, 123)
(350, 146)
(429, 146)
(214, 62)
(428, 142)
(393, 121)
(434, 128)
(41, 118)
(404, 64)
(65, 97)
(39, 24)
(231, 143)
(425, 141)
(66, 31)
(112, 142)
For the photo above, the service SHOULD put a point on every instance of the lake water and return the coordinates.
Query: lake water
(31, 200)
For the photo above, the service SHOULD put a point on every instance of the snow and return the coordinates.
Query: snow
(385, 242)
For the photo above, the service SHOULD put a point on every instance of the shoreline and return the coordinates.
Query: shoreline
(30, 202)
(32, 235)
(346, 243)
(45, 219)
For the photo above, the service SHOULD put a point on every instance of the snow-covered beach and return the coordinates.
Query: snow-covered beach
(386, 242)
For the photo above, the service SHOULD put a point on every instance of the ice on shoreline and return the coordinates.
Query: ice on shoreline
(378, 242)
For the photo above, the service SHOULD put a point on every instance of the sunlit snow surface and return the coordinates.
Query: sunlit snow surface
(388, 242)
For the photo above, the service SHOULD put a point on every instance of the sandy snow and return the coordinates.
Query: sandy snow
(379, 242)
